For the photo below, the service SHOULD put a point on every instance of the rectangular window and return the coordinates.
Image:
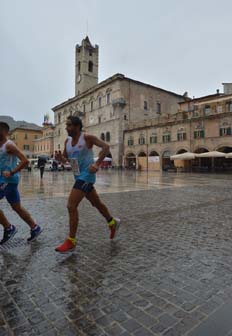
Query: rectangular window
(229, 106)
(166, 138)
(141, 141)
(83, 108)
(99, 102)
(199, 134)
(158, 108)
(224, 131)
(130, 142)
(26, 147)
(91, 106)
(145, 106)
(25, 137)
(181, 136)
(153, 139)
(108, 98)
(207, 110)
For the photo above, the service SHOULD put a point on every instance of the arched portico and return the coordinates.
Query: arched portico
(221, 164)
(142, 161)
(154, 161)
(130, 161)
(201, 164)
(167, 163)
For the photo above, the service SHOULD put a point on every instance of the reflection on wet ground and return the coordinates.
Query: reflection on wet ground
(168, 273)
(56, 184)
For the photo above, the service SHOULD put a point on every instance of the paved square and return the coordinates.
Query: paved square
(168, 273)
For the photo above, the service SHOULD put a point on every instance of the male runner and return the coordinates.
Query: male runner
(9, 179)
(78, 149)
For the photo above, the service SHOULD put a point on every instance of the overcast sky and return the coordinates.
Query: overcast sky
(178, 45)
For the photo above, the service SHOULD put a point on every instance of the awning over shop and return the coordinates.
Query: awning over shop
(213, 154)
(183, 156)
(106, 159)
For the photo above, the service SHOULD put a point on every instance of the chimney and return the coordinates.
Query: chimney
(218, 91)
(227, 88)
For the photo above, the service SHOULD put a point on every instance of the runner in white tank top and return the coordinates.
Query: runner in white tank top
(78, 149)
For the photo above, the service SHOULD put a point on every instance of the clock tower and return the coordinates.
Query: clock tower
(86, 67)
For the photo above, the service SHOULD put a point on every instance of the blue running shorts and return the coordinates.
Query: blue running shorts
(86, 187)
(10, 191)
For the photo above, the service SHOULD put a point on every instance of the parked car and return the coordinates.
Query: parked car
(52, 165)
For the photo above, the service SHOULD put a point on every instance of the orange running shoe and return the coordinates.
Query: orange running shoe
(66, 247)
(114, 225)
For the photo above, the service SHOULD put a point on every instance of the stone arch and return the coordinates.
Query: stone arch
(167, 163)
(200, 149)
(181, 150)
(154, 153)
(142, 154)
(142, 160)
(201, 164)
(225, 148)
(154, 161)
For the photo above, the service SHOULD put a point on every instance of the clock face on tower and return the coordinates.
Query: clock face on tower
(79, 78)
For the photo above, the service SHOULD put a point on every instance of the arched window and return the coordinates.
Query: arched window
(108, 136)
(103, 136)
(90, 66)
(99, 102)
(91, 106)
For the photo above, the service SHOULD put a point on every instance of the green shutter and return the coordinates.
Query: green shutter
(220, 131)
(202, 133)
(228, 131)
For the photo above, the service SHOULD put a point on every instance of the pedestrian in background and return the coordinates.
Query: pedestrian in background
(41, 164)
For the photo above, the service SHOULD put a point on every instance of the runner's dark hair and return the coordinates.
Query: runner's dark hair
(76, 121)
(4, 125)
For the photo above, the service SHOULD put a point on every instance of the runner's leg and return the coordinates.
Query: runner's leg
(113, 223)
(74, 200)
(4, 221)
(96, 202)
(24, 214)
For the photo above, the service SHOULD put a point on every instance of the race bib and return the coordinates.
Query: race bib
(75, 166)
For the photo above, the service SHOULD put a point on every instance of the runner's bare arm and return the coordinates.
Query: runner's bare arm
(92, 140)
(13, 149)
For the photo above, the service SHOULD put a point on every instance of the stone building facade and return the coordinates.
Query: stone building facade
(112, 106)
(200, 125)
(24, 139)
(44, 144)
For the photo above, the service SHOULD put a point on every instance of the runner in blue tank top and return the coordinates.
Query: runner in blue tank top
(9, 179)
(78, 150)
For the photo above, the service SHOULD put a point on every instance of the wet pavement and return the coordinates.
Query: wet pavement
(168, 273)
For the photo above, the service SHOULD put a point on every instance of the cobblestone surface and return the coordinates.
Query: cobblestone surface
(168, 272)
